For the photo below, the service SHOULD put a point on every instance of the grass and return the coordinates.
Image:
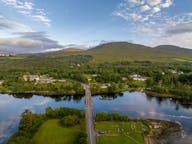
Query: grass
(52, 133)
(121, 132)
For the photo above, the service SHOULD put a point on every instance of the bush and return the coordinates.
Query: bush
(102, 116)
(81, 138)
(69, 121)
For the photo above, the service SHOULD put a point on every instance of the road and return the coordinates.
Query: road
(91, 134)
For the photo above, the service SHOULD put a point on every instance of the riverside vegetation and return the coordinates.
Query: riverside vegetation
(107, 68)
(56, 126)
(67, 126)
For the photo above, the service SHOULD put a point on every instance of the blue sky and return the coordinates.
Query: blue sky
(46, 25)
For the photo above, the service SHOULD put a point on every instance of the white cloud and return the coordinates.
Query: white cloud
(42, 102)
(144, 29)
(28, 9)
(152, 18)
(135, 16)
(28, 42)
(153, 2)
(182, 40)
(167, 3)
(9, 24)
(141, 10)
(156, 10)
(136, 1)
(42, 18)
(145, 8)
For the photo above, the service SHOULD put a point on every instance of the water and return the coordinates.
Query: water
(134, 104)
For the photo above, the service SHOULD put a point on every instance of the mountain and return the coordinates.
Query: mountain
(172, 48)
(73, 50)
(120, 51)
(124, 51)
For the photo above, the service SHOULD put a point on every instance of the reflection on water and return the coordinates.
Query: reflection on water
(11, 108)
(134, 104)
(138, 105)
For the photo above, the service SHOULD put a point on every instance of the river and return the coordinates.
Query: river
(133, 104)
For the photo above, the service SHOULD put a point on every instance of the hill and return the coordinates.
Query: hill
(171, 48)
(123, 51)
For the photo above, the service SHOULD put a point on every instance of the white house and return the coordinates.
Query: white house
(137, 77)
(31, 77)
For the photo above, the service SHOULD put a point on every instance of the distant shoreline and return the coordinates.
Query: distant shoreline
(52, 93)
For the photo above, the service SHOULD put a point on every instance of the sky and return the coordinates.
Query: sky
(30, 26)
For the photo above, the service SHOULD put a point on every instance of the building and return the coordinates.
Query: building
(106, 85)
(31, 77)
(137, 77)
(172, 71)
(124, 79)
(46, 80)
(1, 82)
(41, 79)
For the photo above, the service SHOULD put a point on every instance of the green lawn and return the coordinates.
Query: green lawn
(52, 133)
(121, 132)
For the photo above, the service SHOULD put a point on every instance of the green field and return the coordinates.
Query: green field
(52, 133)
(121, 132)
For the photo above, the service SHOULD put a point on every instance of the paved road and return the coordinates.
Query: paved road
(89, 115)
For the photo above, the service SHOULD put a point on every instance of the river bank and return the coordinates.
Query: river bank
(161, 131)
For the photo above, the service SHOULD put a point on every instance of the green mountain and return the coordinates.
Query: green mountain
(123, 51)
(171, 48)
(120, 51)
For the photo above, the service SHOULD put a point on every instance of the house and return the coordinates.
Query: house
(124, 79)
(106, 85)
(43, 79)
(89, 79)
(172, 71)
(1, 82)
(31, 77)
(94, 75)
(137, 77)
(163, 73)
(180, 73)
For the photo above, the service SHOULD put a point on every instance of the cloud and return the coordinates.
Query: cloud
(180, 29)
(28, 9)
(150, 18)
(145, 8)
(156, 10)
(167, 3)
(153, 2)
(135, 9)
(42, 102)
(182, 40)
(149, 15)
(8, 24)
(28, 42)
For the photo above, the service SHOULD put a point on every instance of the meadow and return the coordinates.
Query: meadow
(52, 133)
(130, 132)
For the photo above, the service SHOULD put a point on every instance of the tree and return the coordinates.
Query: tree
(69, 121)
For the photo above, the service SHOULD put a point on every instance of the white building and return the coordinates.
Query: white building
(31, 77)
(137, 77)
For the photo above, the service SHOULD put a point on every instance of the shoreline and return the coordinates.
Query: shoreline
(73, 93)
(161, 131)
